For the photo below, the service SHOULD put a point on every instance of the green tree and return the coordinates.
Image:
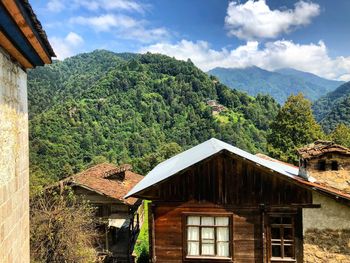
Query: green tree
(293, 127)
(341, 135)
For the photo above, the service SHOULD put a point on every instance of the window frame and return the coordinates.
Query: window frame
(293, 224)
(199, 258)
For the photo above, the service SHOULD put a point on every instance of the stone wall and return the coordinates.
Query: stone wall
(14, 163)
(326, 231)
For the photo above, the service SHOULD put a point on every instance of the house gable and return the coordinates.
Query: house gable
(228, 179)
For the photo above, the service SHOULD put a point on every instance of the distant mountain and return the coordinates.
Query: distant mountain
(333, 108)
(279, 84)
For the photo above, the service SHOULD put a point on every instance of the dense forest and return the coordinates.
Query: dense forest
(333, 108)
(129, 108)
(280, 84)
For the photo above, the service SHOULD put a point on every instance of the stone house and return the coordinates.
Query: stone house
(327, 230)
(23, 45)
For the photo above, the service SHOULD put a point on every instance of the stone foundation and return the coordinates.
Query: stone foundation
(327, 246)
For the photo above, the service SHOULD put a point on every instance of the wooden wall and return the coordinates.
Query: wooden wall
(229, 180)
(224, 183)
(168, 233)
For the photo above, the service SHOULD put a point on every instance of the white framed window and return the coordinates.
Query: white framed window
(208, 236)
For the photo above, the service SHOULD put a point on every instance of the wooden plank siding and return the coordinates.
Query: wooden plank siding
(223, 183)
(229, 180)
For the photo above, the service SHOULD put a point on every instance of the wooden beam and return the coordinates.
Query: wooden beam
(13, 52)
(17, 16)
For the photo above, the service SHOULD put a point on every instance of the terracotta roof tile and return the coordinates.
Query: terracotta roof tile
(108, 179)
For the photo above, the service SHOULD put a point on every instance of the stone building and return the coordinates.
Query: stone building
(327, 230)
(23, 45)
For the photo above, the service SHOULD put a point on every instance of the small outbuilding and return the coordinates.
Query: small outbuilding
(118, 219)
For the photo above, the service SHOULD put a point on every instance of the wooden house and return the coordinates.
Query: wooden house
(104, 186)
(217, 203)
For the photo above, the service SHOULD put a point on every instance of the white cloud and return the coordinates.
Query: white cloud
(124, 26)
(55, 5)
(96, 5)
(109, 5)
(105, 22)
(255, 19)
(273, 55)
(67, 46)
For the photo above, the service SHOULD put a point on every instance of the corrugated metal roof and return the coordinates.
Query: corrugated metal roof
(198, 153)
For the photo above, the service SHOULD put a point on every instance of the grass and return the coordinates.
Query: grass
(142, 243)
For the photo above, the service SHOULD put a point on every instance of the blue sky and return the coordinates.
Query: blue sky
(312, 36)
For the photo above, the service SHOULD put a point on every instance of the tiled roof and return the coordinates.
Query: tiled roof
(108, 179)
(320, 147)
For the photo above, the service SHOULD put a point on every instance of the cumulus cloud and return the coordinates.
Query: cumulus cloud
(272, 55)
(67, 46)
(255, 20)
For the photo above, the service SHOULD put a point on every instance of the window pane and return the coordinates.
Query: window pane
(275, 233)
(207, 249)
(275, 220)
(193, 220)
(288, 251)
(223, 249)
(276, 251)
(193, 248)
(222, 234)
(288, 233)
(207, 233)
(207, 221)
(221, 221)
(193, 233)
(287, 220)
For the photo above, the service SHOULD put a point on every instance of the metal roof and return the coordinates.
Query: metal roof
(200, 152)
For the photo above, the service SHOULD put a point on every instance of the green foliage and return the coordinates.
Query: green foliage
(279, 84)
(142, 244)
(341, 135)
(333, 108)
(293, 127)
(129, 108)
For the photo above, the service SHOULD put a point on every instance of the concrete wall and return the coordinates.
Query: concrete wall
(332, 214)
(14, 163)
(326, 231)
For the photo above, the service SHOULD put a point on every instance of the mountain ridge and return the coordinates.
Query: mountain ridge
(278, 84)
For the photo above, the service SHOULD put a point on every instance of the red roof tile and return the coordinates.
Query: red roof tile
(108, 179)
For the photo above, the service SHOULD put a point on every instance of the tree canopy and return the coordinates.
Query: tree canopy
(293, 127)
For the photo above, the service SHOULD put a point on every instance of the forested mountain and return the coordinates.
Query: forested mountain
(133, 108)
(279, 84)
(333, 108)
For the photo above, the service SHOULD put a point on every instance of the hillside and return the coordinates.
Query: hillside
(139, 109)
(279, 84)
(333, 108)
